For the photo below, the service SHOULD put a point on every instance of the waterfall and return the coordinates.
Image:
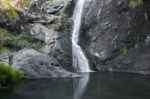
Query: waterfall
(80, 62)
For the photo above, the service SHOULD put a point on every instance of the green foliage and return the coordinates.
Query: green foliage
(63, 14)
(9, 75)
(17, 41)
(20, 41)
(3, 49)
(23, 40)
(9, 10)
(135, 3)
(124, 49)
(4, 35)
(12, 14)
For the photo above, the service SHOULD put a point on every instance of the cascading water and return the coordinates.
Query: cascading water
(80, 62)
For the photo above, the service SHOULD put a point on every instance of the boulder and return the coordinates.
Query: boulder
(41, 32)
(39, 65)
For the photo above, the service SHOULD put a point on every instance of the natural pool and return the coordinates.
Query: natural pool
(90, 86)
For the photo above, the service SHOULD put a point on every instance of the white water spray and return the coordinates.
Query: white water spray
(80, 62)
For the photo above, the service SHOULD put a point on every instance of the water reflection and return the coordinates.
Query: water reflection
(97, 86)
(80, 85)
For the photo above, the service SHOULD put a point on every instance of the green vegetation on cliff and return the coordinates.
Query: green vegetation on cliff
(63, 14)
(4, 35)
(3, 49)
(9, 10)
(8, 41)
(135, 3)
(24, 40)
(9, 75)
(124, 49)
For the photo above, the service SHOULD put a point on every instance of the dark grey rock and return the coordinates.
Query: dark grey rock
(49, 6)
(107, 26)
(52, 8)
(136, 60)
(38, 31)
(39, 65)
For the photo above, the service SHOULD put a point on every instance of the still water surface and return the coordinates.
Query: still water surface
(90, 86)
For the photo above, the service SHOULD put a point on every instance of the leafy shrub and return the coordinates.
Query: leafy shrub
(23, 40)
(3, 49)
(12, 14)
(9, 75)
(9, 10)
(4, 35)
(7, 40)
(20, 41)
(26, 2)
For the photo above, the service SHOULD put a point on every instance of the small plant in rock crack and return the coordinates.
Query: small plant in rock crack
(63, 14)
(135, 3)
(136, 42)
(124, 49)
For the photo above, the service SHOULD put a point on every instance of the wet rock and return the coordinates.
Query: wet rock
(108, 27)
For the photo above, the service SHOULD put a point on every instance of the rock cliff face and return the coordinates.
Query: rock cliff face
(116, 37)
(49, 20)
(113, 36)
